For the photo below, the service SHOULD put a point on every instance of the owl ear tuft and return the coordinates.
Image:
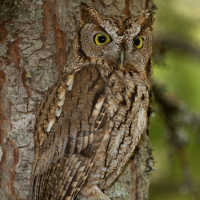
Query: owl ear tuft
(145, 19)
(148, 16)
(88, 14)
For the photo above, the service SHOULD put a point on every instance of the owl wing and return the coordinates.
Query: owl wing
(68, 134)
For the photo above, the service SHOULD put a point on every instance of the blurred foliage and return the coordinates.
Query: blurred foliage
(180, 73)
(178, 18)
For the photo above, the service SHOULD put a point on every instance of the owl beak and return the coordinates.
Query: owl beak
(121, 58)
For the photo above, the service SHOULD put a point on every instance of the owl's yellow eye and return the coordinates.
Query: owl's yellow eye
(138, 42)
(101, 38)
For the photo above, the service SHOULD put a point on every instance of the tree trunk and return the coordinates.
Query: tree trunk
(35, 39)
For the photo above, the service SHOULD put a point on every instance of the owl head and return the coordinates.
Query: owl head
(113, 42)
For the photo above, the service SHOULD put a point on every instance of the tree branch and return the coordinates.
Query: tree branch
(177, 44)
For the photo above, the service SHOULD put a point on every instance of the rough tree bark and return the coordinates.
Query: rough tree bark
(35, 37)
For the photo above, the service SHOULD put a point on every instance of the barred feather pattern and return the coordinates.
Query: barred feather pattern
(91, 120)
(94, 125)
(65, 152)
(127, 122)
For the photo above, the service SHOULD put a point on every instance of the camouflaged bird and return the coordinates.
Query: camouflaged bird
(91, 120)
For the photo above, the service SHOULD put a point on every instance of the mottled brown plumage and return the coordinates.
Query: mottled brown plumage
(91, 120)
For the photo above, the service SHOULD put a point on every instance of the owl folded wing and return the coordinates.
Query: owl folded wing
(68, 133)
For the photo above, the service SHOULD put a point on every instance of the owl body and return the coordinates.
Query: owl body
(126, 119)
(91, 120)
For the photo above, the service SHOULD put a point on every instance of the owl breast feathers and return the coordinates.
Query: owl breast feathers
(91, 120)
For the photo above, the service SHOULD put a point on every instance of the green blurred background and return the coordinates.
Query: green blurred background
(177, 23)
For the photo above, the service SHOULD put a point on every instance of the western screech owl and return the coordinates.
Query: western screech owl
(91, 120)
